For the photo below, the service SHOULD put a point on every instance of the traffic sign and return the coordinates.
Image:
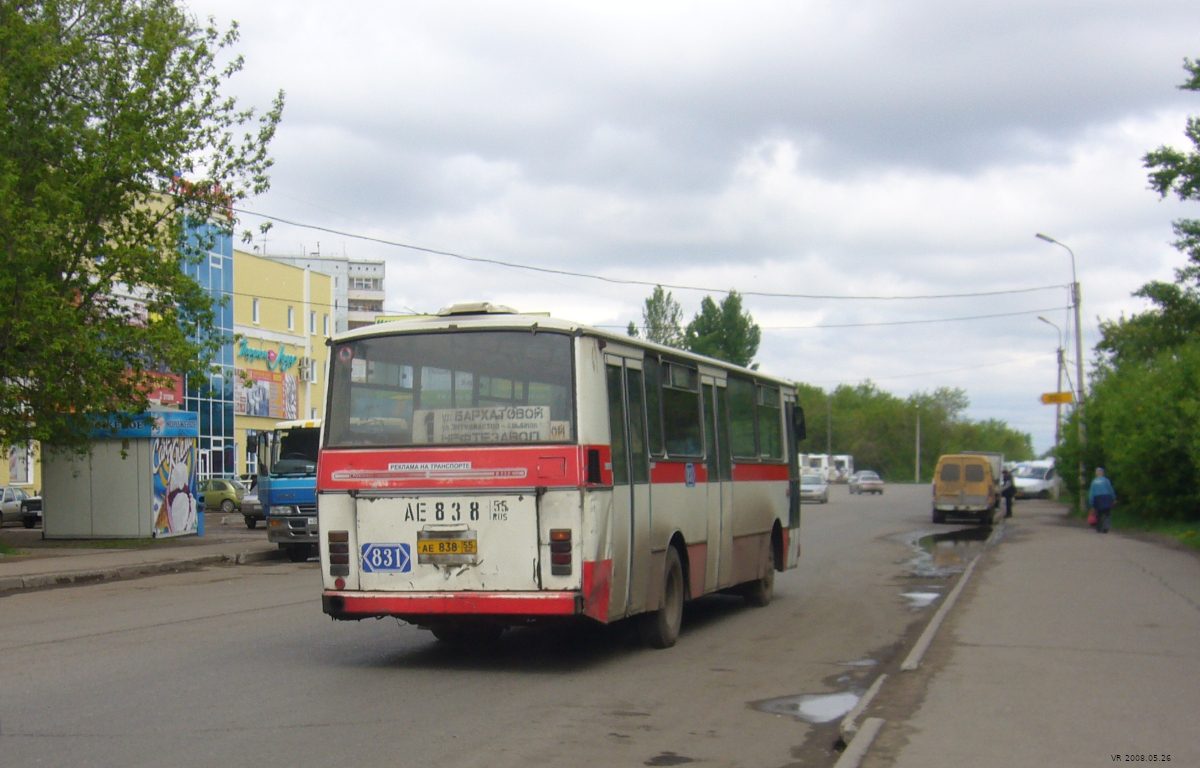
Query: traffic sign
(1052, 398)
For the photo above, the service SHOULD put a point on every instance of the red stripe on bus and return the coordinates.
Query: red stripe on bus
(597, 585)
(676, 471)
(697, 563)
(464, 603)
(753, 472)
(498, 467)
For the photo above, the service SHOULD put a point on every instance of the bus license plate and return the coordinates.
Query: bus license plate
(446, 547)
(442, 547)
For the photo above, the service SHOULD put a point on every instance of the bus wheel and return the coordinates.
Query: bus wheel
(759, 592)
(660, 629)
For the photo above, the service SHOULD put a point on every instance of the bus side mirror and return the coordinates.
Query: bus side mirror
(798, 426)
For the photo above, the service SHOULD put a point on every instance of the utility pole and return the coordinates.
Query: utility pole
(1076, 299)
(829, 427)
(917, 472)
(1058, 406)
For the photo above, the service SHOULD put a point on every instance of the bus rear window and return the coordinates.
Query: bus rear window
(464, 388)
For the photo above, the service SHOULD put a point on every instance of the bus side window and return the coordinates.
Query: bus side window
(639, 461)
(770, 441)
(741, 417)
(681, 412)
(654, 416)
(616, 426)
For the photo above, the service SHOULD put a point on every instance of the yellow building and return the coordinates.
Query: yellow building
(281, 317)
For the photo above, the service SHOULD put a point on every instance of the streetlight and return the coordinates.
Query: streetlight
(1058, 387)
(1075, 296)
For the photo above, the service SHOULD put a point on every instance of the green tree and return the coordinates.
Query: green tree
(726, 332)
(115, 135)
(879, 429)
(1142, 411)
(662, 319)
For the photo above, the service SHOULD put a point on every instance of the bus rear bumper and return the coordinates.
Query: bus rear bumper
(412, 606)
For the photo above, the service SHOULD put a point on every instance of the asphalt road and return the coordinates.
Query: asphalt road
(238, 666)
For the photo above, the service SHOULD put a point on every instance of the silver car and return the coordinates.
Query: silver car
(16, 504)
(814, 488)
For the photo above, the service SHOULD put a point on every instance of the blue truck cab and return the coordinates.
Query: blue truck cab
(287, 485)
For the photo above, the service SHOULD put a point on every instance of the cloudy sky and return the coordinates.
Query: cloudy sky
(841, 148)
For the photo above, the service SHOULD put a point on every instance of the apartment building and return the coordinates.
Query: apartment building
(359, 287)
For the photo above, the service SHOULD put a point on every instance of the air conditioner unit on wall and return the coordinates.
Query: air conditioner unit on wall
(306, 369)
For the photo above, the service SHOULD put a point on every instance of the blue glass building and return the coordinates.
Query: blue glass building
(212, 396)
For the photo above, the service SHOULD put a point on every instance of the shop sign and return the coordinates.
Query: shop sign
(277, 360)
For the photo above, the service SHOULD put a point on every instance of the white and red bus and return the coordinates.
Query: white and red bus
(482, 469)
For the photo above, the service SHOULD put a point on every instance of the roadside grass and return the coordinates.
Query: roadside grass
(99, 543)
(1184, 532)
(6, 549)
(1124, 519)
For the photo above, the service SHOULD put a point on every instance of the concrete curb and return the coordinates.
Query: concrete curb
(849, 726)
(918, 652)
(856, 750)
(91, 576)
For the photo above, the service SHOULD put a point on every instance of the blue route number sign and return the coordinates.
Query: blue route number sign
(386, 558)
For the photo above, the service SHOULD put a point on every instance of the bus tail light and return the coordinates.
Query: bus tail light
(339, 553)
(560, 552)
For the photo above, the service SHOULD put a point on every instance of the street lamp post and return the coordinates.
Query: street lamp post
(1058, 386)
(1075, 300)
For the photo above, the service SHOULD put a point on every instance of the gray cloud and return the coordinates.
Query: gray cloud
(825, 147)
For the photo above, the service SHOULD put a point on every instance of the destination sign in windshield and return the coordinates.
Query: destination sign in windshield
(502, 424)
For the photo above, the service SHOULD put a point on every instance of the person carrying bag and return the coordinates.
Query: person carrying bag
(1101, 498)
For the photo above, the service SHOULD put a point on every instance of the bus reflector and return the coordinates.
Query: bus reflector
(560, 552)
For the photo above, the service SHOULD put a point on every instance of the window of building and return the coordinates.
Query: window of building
(366, 284)
(254, 310)
(365, 305)
(312, 322)
(291, 318)
(326, 325)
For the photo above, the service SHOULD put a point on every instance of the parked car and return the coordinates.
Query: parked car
(1036, 480)
(866, 481)
(252, 508)
(814, 488)
(18, 504)
(225, 495)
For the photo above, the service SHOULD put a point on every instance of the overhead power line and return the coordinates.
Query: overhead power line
(631, 281)
(890, 322)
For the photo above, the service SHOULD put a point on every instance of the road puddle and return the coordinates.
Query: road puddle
(920, 599)
(811, 707)
(943, 554)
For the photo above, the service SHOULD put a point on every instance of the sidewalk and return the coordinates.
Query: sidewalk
(1067, 648)
(64, 566)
